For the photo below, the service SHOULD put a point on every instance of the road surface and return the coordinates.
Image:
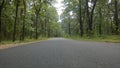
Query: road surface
(62, 53)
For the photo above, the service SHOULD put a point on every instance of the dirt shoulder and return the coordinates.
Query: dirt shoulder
(6, 46)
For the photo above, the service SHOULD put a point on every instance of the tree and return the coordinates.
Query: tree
(24, 17)
(37, 7)
(16, 17)
(90, 12)
(1, 8)
(80, 18)
(116, 16)
(27, 19)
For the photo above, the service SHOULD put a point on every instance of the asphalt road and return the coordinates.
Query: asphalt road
(62, 53)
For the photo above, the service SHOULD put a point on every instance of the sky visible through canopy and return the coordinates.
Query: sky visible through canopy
(59, 7)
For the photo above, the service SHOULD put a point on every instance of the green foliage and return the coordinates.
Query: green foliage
(38, 18)
(106, 38)
(103, 18)
(47, 19)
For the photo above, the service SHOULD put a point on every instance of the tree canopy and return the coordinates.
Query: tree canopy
(91, 17)
(21, 19)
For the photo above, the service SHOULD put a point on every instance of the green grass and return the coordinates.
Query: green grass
(109, 38)
(25, 41)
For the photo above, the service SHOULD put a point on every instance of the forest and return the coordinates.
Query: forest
(34, 19)
(21, 19)
(92, 18)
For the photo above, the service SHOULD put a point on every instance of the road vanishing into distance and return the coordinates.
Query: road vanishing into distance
(62, 53)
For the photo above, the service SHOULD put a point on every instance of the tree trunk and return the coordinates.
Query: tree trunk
(42, 27)
(100, 22)
(80, 20)
(116, 17)
(69, 26)
(49, 31)
(90, 16)
(14, 31)
(31, 35)
(36, 24)
(0, 24)
(24, 17)
(37, 15)
(45, 25)
(21, 17)
(100, 31)
(1, 7)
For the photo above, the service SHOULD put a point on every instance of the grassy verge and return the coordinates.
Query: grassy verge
(10, 44)
(110, 38)
(25, 41)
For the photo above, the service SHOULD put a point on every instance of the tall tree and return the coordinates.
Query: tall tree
(90, 12)
(1, 8)
(37, 6)
(27, 19)
(116, 16)
(69, 26)
(16, 17)
(24, 17)
(80, 18)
